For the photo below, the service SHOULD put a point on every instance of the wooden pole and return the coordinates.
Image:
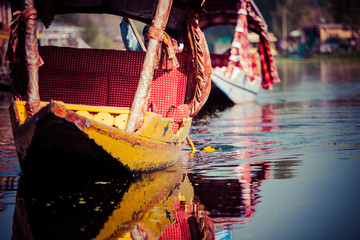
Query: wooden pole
(259, 14)
(193, 148)
(137, 35)
(33, 60)
(139, 106)
(284, 22)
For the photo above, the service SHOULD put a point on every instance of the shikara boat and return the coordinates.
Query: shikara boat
(97, 111)
(239, 74)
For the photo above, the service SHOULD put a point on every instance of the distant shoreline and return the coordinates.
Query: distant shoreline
(333, 57)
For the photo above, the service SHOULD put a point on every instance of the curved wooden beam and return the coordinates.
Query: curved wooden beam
(139, 106)
(32, 58)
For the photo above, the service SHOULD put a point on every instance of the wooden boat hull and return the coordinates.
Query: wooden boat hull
(240, 89)
(58, 140)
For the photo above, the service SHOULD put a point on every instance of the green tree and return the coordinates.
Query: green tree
(93, 34)
(290, 14)
(285, 16)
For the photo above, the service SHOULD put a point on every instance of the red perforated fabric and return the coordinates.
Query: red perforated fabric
(92, 60)
(111, 75)
(122, 88)
(165, 89)
(179, 230)
(168, 92)
(68, 86)
(178, 114)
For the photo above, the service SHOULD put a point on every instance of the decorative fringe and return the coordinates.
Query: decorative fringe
(201, 62)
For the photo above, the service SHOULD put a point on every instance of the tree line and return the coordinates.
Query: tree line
(283, 16)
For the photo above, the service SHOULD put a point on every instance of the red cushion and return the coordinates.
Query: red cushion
(93, 60)
(73, 87)
(82, 80)
(169, 88)
(122, 89)
(178, 114)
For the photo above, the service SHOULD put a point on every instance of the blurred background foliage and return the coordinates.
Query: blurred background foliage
(103, 31)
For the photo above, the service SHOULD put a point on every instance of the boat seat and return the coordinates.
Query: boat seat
(68, 86)
(101, 77)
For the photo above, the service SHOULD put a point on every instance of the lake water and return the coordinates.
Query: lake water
(285, 167)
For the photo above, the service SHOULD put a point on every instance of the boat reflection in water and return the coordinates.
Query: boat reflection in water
(231, 202)
(228, 181)
(168, 204)
(241, 132)
(159, 205)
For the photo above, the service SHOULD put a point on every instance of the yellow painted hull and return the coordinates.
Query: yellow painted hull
(54, 130)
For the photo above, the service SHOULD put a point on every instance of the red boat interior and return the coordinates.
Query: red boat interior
(100, 77)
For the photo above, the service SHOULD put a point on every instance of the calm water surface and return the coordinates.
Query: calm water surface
(285, 167)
